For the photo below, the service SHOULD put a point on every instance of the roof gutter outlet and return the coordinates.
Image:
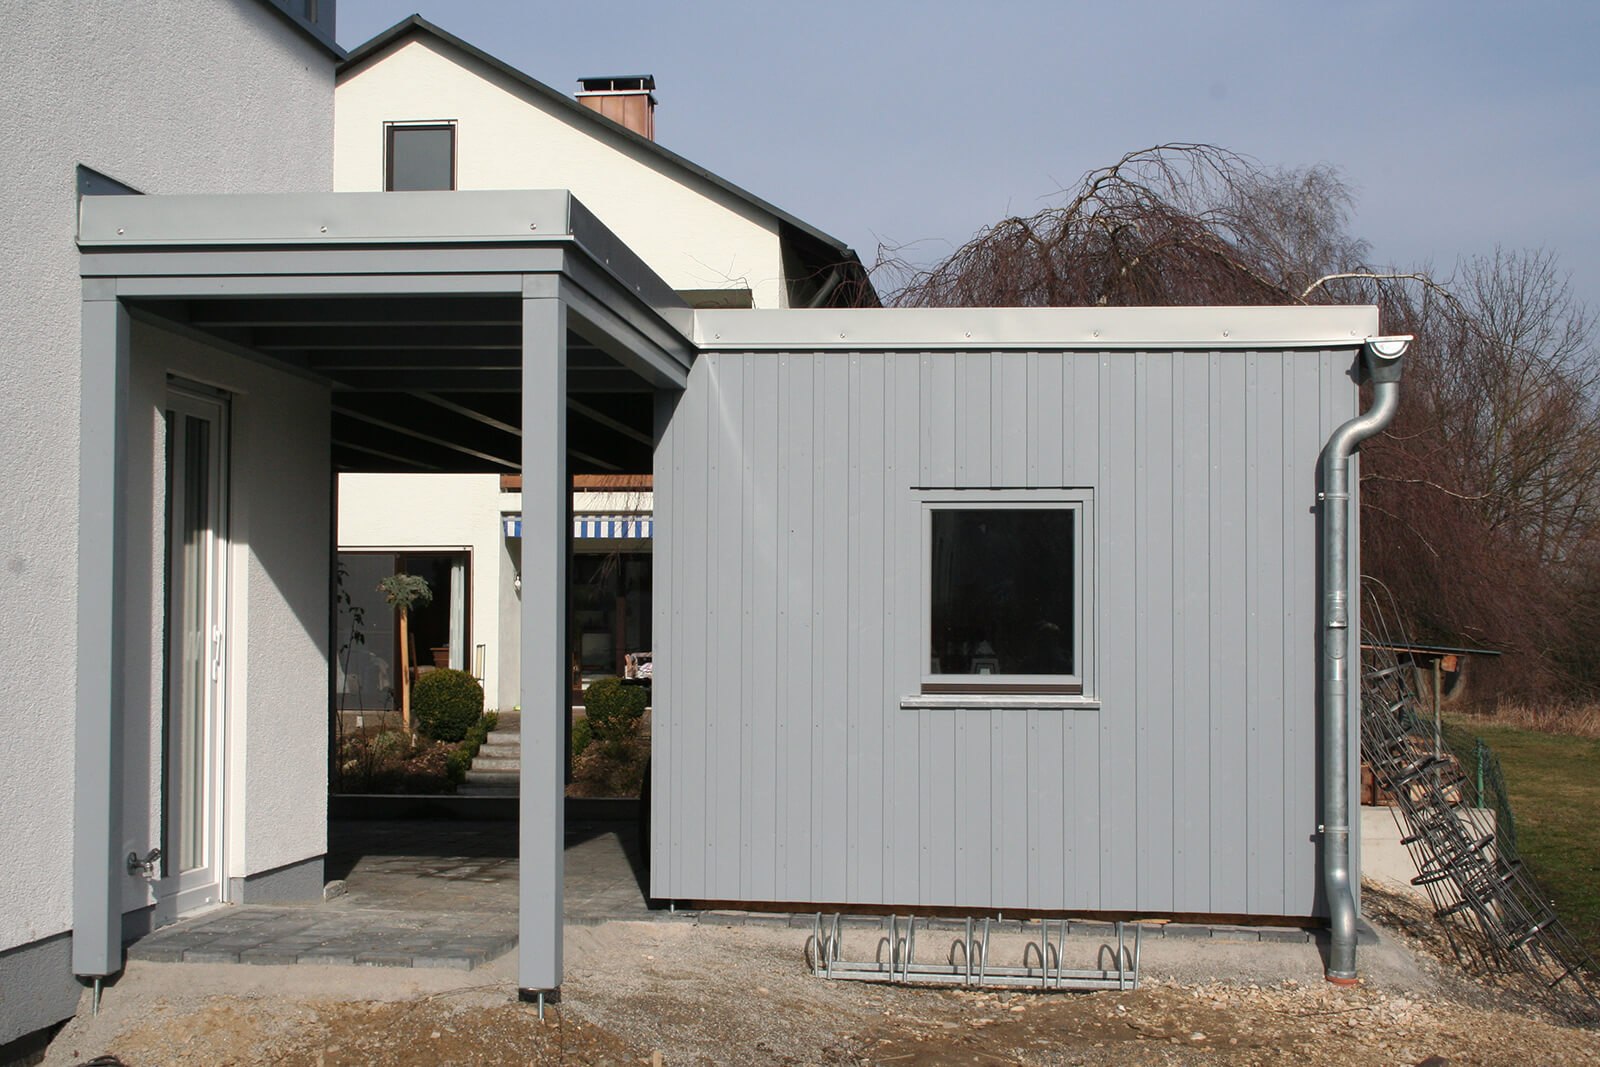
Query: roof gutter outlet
(835, 276)
(1382, 358)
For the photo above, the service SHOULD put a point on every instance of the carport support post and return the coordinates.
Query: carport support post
(97, 870)
(545, 685)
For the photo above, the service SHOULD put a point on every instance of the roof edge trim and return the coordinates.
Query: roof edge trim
(966, 329)
(313, 219)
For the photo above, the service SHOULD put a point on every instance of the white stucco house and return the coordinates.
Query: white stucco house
(417, 107)
(201, 97)
(956, 609)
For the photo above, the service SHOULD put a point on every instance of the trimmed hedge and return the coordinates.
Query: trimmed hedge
(582, 734)
(613, 710)
(446, 704)
(460, 760)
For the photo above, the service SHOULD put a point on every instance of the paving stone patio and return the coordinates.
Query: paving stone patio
(417, 893)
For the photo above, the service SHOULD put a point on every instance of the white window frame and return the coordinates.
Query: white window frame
(1005, 690)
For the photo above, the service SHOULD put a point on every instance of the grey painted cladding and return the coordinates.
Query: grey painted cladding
(36, 987)
(789, 569)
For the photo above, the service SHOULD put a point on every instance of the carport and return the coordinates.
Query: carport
(482, 331)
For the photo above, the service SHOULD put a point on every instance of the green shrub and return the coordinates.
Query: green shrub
(457, 765)
(582, 734)
(446, 704)
(479, 733)
(613, 710)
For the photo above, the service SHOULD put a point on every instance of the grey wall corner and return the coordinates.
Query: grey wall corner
(293, 883)
(37, 988)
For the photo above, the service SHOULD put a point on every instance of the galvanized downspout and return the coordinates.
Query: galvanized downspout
(1382, 357)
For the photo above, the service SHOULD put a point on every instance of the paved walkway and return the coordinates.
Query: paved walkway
(418, 893)
(443, 893)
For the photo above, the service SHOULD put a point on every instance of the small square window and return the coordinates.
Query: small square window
(1006, 595)
(419, 156)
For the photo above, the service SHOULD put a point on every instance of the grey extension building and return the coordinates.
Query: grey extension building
(965, 609)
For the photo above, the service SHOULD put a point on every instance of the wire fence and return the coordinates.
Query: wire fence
(1485, 783)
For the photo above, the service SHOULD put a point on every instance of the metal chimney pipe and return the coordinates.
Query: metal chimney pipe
(1382, 356)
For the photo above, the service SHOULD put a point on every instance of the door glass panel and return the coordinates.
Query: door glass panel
(192, 641)
(187, 750)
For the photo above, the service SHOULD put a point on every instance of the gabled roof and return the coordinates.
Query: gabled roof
(317, 30)
(818, 249)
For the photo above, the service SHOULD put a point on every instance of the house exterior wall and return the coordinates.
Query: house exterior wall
(694, 235)
(789, 592)
(198, 95)
(279, 517)
(418, 512)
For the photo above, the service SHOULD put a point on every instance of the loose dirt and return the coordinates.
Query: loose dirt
(677, 993)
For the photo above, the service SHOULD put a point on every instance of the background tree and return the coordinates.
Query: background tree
(1481, 503)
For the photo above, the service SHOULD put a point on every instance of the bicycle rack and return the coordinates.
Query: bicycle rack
(1491, 909)
(967, 962)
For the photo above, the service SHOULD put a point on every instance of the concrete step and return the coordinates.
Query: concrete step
(510, 778)
(469, 789)
(500, 751)
(482, 764)
(505, 737)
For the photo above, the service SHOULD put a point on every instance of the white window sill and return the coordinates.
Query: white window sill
(1000, 701)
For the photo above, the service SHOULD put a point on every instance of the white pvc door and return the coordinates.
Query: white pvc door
(191, 839)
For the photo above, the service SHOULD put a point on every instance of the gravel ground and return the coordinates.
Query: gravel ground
(678, 993)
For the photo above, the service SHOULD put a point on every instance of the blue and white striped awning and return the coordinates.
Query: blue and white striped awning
(631, 527)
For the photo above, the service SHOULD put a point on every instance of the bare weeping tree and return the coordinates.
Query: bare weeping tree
(1170, 224)
(1481, 504)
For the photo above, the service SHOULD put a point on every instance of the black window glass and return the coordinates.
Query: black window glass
(421, 157)
(1003, 596)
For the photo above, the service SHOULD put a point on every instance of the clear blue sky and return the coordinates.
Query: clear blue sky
(1462, 125)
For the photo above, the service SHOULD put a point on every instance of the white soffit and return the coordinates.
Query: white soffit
(1035, 328)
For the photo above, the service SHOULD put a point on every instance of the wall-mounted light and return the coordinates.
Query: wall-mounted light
(516, 581)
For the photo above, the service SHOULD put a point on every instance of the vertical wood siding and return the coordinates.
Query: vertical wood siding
(789, 567)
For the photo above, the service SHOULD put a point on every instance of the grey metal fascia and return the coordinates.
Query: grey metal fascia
(626, 330)
(291, 285)
(395, 261)
(471, 232)
(611, 254)
(312, 219)
(922, 329)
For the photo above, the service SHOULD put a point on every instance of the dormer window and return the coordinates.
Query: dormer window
(419, 155)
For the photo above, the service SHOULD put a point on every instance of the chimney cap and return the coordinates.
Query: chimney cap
(602, 83)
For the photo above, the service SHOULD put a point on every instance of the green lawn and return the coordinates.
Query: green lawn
(1554, 783)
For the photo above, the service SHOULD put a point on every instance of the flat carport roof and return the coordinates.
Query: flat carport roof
(500, 318)
(408, 306)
